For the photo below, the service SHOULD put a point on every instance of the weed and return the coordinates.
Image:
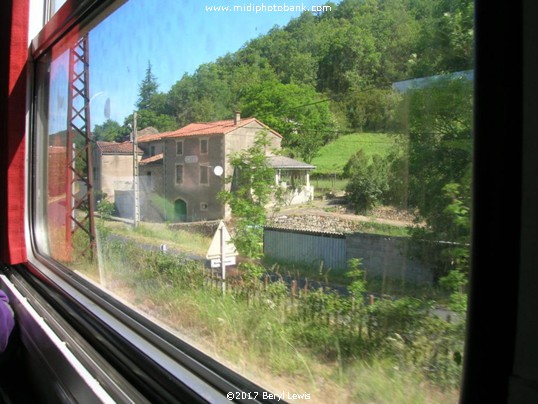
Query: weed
(315, 339)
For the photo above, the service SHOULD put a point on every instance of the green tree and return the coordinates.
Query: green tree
(368, 181)
(145, 118)
(348, 57)
(358, 278)
(251, 192)
(203, 97)
(180, 97)
(439, 168)
(146, 90)
(245, 69)
(440, 150)
(398, 176)
(457, 278)
(289, 51)
(109, 131)
(153, 107)
(373, 110)
(349, 61)
(445, 41)
(298, 113)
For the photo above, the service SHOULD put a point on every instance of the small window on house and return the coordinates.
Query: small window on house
(203, 205)
(152, 151)
(179, 147)
(179, 174)
(204, 175)
(203, 146)
(148, 180)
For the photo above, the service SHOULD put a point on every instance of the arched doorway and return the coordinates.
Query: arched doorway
(180, 210)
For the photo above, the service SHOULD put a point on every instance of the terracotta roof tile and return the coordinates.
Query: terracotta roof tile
(116, 148)
(152, 159)
(152, 137)
(205, 128)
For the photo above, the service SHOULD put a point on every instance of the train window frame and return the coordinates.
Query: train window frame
(51, 274)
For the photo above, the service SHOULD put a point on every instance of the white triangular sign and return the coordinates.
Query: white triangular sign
(215, 247)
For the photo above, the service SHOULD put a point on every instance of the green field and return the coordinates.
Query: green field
(333, 157)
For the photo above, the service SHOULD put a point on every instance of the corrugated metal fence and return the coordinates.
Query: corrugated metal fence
(382, 256)
(309, 248)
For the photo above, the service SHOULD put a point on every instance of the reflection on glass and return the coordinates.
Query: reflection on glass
(287, 190)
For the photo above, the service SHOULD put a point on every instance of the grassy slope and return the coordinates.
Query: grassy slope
(334, 156)
(157, 233)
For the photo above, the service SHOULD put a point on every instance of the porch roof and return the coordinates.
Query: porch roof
(287, 163)
(153, 159)
(116, 148)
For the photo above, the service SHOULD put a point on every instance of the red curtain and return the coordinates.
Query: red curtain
(13, 58)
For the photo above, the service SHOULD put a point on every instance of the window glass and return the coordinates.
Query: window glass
(204, 175)
(203, 146)
(56, 4)
(52, 6)
(179, 174)
(333, 142)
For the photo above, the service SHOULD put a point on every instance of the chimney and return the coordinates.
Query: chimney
(237, 118)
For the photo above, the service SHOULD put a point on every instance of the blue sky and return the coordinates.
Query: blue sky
(176, 36)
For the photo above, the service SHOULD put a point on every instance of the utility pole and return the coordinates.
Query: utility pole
(136, 188)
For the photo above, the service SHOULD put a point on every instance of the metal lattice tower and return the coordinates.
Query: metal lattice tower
(80, 205)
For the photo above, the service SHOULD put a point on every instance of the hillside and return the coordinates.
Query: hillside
(320, 74)
(333, 157)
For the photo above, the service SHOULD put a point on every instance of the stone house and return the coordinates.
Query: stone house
(183, 171)
(113, 168)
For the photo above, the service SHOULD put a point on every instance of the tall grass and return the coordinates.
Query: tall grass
(335, 348)
(158, 233)
(383, 229)
(328, 183)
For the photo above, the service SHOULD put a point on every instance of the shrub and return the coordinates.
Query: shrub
(405, 330)
(105, 208)
(368, 181)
